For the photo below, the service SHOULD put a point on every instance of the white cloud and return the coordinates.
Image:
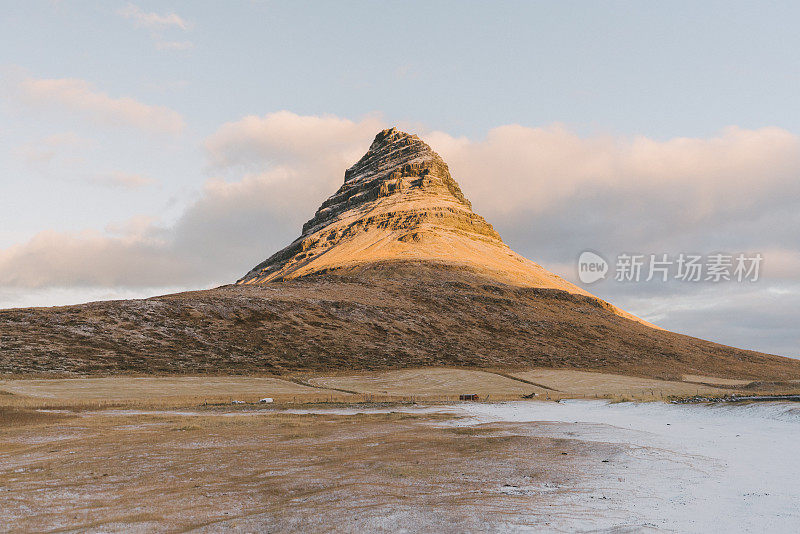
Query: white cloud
(552, 192)
(144, 19)
(759, 317)
(60, 151)
(61, 259)
(78, 96)
(139, 227)
(64, 296)
(782, 264)
(158, 25)
(67, 139)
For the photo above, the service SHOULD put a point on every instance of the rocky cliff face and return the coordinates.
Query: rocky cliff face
(399, 203)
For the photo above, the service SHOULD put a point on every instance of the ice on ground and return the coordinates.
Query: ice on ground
(692, 468)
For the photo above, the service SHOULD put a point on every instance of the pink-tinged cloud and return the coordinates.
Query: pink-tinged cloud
(536, 170)
(78, 96)
(284, 137)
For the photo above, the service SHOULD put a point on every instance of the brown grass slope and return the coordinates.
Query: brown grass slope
(379, 316)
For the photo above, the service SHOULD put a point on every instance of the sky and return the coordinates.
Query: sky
(151, 147)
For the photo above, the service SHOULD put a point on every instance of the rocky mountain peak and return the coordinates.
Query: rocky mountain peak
(399, 203)
(397, 164)
(393, 150)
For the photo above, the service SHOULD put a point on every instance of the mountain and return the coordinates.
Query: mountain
(400, 203)
(394, 270)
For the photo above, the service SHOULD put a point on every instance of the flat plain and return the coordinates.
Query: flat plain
(344, 452)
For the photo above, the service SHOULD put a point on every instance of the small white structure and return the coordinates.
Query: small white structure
(266, 400)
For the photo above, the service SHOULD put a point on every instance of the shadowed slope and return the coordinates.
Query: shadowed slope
(378, 316)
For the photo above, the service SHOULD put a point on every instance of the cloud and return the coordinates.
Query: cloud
(754, 317)
(78, 96)
(284, 137)
(64, 296)
(143, 19)
(59, 152)
(549, 191)
(61, 259)
(67, 139)
(553, 193)
(549, 167)
(158, 25)
(232, 226)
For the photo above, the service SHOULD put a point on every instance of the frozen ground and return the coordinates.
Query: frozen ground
(700, 468)
(531, 466)
(689, 468)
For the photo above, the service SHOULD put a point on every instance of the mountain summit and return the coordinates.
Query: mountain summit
(400, 203)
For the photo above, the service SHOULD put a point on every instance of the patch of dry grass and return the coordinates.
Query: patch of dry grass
(575, 383)
(428, 385)
(715, 380)
(428, 382)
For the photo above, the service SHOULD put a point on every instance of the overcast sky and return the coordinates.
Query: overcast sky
(151, 147)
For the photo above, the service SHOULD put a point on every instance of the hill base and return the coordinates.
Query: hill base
(388, 315)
